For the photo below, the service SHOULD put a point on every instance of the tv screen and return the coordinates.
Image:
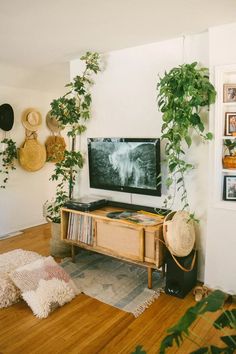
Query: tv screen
(125, 164)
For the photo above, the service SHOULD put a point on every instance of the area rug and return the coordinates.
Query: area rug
(117, 283)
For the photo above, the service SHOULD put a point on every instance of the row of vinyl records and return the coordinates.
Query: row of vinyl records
(80, 228)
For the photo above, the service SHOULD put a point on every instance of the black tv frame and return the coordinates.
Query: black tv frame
(128, 189)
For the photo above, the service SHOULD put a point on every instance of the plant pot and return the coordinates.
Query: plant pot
(58, 248)
(229, 162)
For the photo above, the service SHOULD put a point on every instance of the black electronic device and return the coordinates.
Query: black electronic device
(86, 203)
(179, 282)
(129, 165)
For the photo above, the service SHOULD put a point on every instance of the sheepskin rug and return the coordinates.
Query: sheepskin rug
(9, 261)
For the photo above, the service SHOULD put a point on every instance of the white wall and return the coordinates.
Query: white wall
(221, 235)
(22, 200)
(125, 105)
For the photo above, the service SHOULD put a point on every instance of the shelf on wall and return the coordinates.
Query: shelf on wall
(228, 137)
(225, 74)
(233, 171)
(229, 104)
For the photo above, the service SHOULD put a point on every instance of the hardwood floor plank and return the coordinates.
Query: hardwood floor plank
(86, 325)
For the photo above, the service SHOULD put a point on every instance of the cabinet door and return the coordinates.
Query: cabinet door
(120, 239)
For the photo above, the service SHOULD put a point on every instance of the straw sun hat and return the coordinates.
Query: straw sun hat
(31, 119)
(179, 233)
(53, 123)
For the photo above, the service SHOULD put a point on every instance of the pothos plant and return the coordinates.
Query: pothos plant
(72, 111)
(182, 93)
(7, 156)
(185, 330)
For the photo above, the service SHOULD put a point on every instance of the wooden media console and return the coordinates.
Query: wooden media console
(129, 241)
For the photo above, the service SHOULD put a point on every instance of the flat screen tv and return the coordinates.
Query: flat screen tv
(125, 164)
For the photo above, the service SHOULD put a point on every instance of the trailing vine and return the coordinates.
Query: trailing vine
(72, 111)
(182, 93)
(7, 157)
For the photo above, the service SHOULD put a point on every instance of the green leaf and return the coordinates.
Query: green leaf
(201, 127)
(230, 341)
(226, 319)
(217, 350)
(209, 136)
(169, 182)
(169, 341)
(204, 350)
(213, 302)
(139, 350)
(188, 140)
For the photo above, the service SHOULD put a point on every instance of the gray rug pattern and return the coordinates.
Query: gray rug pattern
(114, 282)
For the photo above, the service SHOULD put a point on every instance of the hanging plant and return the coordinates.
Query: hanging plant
(182, 93)
(72, 111)
(8, 157)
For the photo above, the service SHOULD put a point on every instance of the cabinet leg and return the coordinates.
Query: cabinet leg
(73, 253)
(149, 278)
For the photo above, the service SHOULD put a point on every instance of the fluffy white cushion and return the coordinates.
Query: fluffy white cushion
(9, 293)
(16, 258)
(44, 285)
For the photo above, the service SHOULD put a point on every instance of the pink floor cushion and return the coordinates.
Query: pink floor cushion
(44, 285)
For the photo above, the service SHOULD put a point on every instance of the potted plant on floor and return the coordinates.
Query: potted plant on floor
(71, 111)
(183, 92)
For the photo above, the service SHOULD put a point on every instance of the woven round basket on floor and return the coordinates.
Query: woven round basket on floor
(179, 233)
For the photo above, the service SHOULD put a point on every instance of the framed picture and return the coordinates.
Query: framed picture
(229, 188)
(229, 92)
(230, 123)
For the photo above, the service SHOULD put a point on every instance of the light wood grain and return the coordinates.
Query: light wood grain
(121, 239)
(86, 325)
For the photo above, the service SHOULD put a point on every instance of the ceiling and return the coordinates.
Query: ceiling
(48, 32)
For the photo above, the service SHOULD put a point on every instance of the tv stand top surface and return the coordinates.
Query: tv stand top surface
(137, 207)
(113, 205)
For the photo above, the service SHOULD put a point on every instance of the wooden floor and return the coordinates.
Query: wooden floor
(86, 325)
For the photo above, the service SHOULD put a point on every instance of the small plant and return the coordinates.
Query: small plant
(182, 93)
(8, 157)
(72, 111)
(182, 331)
(230, 146)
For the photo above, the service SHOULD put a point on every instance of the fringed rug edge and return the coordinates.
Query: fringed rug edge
(141, 308)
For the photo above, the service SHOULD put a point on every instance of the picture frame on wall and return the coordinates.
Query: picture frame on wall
(229, 192)
(229, 92)
(230, 123)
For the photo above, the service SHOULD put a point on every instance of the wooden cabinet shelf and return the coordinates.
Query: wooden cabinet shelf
(122, 239)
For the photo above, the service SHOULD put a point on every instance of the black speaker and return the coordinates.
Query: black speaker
(178, 282)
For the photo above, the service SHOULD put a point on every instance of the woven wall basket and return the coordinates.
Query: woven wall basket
(32, 155)
(55, 147)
